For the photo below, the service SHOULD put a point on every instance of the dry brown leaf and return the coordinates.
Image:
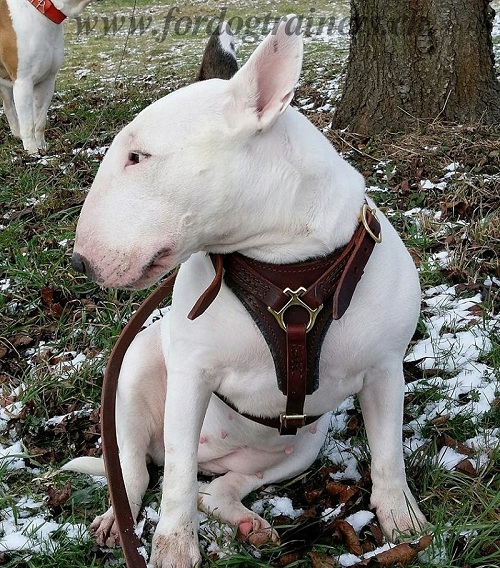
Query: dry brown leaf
(439, 420)
(377, 533)
(405, 186)
(467, 468)
(320, 560)
(349, 535)
(52, 307)
(403, 553)
(341, 491)
(56, 498)
(313, 495)
(289, 558)
(334, 488)
(459, 447)
(21, 340)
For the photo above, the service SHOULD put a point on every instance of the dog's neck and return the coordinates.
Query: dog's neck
(312, 209)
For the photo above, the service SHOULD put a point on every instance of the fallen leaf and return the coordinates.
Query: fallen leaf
(289, 558)
(320, 560)
(467, 468)
(349, 535)
(450, 442)
(439, 420)
(377, 534)
(341, 491)
(53, 308)
(454, 209)
(313, 495)
(21, 340)
(56, 498)
(405, 186)
(403, 553)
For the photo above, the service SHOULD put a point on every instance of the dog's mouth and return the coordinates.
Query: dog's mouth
(160, 263)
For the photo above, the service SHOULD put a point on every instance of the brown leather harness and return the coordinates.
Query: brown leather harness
(292, 304)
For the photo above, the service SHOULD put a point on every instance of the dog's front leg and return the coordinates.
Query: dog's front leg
(42, 96)
(381, 401)
(23, 99)
(175, 543)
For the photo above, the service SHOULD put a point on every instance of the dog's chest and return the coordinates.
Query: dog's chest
(239, 366)
(228, 351)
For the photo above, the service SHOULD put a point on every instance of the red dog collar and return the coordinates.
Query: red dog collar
(48, 9)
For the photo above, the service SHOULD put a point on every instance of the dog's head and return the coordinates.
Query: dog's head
(187, 173)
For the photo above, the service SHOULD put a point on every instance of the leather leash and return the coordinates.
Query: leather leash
(116, 486)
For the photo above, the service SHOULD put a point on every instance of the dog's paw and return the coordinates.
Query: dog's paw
(398, 514)
(174, 551)
(257, 532)
(105, 530)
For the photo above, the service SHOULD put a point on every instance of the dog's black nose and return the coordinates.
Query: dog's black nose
(79, 263)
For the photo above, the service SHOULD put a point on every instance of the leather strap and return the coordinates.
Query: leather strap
(48, 9)
(116, 486)
(296, 374)
(212, 291)
(275, 422)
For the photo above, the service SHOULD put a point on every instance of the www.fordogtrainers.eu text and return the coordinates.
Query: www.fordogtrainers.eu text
(248, 28)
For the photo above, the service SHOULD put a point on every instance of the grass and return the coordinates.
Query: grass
(48, 314)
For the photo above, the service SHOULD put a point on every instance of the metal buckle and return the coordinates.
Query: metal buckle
(364, 220)
(284, 417)
(295, 300)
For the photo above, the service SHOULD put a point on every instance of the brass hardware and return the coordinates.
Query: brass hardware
(284, 417)
(295, 300)
(366, 208)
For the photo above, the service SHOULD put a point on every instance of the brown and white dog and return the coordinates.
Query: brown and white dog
(31, 53)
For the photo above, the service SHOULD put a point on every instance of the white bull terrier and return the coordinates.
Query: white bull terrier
(31, 54)
(217, 167)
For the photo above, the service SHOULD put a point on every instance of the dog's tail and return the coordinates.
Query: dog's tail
(92, 466)
(219, 60)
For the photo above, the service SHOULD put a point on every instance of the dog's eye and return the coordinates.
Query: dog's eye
(135, 158)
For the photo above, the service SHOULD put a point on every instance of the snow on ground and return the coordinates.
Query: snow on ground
(26, 528)
(25, 524)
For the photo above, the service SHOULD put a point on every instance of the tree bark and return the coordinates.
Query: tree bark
(418, 60)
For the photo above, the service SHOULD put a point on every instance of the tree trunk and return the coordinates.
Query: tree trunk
(418, 60)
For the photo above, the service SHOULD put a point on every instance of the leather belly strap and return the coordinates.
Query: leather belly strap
(293, 306)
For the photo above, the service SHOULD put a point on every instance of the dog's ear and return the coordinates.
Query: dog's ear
(219, 60)
(265, 85)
